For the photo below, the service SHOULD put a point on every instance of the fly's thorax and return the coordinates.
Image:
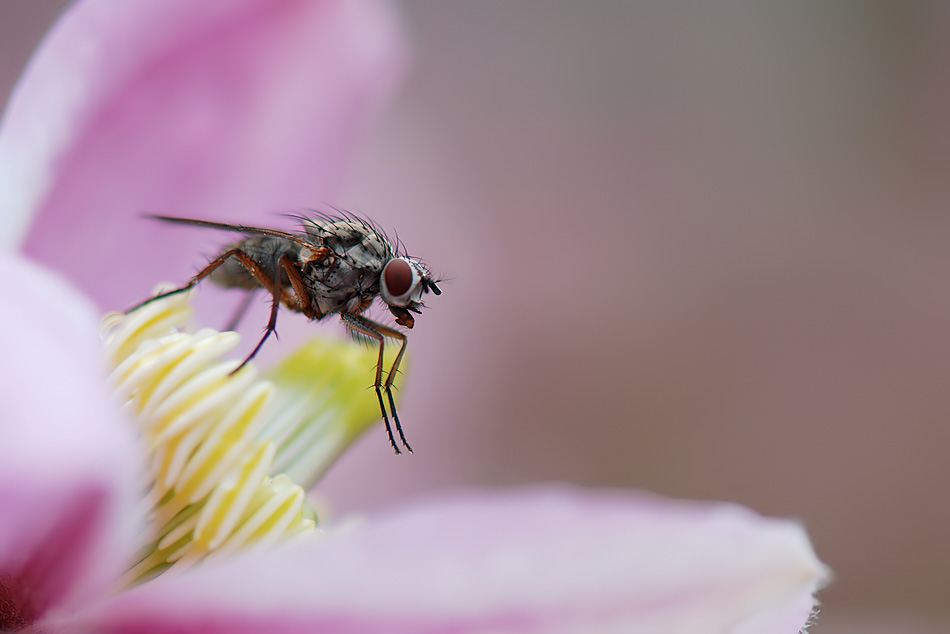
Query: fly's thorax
(347, 279)
(341, 234)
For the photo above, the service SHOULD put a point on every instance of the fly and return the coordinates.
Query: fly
(335, 265)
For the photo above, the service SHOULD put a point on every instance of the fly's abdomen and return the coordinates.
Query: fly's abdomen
(265, 251)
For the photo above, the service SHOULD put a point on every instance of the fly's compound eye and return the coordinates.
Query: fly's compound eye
(400, 282)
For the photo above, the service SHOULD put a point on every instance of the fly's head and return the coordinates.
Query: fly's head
(402, 284)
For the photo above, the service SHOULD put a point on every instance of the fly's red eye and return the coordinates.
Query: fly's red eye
(398, 277)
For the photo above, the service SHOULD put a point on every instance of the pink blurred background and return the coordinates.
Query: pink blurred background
(699, 251)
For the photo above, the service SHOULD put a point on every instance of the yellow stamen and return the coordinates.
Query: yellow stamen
(214, 437)
(210, 486)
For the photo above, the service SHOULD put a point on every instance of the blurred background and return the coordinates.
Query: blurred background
(698, 250)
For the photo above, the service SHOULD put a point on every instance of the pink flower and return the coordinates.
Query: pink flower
(549, 559)
(220, 109)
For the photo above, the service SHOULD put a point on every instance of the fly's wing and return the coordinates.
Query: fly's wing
(276, 233)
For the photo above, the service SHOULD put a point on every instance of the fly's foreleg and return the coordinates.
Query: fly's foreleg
(379, 332)
(386, 331)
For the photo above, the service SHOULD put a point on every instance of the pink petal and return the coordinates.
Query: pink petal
(66, 461)
(220, 109)
(549, 560)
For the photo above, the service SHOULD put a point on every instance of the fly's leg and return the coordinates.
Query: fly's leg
(260, 277)
(386, 331)
(304, 305)
(284, 264)
(379, 332)
(203, 273)
(240, 311)
(271, 328)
